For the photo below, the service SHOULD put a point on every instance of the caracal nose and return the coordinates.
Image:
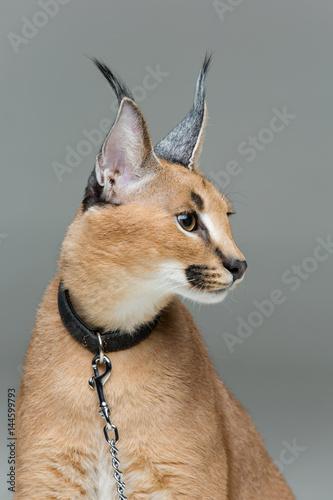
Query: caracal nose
(236, 267)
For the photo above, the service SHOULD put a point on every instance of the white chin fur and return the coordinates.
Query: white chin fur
(200, 296)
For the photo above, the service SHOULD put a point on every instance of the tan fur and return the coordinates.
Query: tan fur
(182, 434)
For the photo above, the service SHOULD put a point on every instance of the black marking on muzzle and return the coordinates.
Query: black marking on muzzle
(220, 255)
(196, 275)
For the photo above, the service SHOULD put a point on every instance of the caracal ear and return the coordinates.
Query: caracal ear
(183, 144)
(127, 158)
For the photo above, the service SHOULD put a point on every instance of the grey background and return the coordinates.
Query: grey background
(266, 55)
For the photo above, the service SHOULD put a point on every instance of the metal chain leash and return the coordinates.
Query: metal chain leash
(97, 382)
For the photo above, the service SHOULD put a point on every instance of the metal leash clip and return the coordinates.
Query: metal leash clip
(97, 382)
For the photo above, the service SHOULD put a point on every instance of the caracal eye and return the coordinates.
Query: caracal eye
(189, 221)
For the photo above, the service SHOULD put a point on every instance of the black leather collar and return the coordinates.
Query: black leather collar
(115, 340)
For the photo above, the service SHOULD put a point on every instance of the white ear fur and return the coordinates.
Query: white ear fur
(119, 165)
(194, 160)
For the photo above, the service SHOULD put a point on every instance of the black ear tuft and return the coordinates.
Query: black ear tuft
(200, 89)
(118, 86)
